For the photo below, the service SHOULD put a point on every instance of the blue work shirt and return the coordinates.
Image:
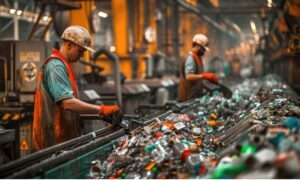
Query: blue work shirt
(56, 81)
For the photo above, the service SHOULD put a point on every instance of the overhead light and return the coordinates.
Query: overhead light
(12, 11)
(112, 49)
(19, 12)
(253, 26)
(102, 14)
(47, 18)
(267, 32)
(269, 3)
(237, 28)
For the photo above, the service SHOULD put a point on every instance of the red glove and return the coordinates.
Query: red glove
(108, 110)
(210, 76)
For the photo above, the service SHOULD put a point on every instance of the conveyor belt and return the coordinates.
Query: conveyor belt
(42, 166)
(47, 153)
(44, 160)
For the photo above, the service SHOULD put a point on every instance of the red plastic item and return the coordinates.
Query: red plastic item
(185, 154)
(158, 134)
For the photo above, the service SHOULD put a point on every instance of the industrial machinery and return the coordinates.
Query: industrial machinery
(19, 65)
(112, 90)
(163, 84)
(23, 62)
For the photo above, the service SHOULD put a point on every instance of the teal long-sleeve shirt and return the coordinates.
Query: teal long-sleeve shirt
(190, 65)
(56, 81)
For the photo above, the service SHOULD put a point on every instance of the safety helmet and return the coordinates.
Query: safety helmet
(202, 40)
(79, 36)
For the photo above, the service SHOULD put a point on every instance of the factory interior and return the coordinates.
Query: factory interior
(150, 89)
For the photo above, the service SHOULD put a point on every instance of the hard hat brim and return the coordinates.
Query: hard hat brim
(89, 49)
(85, 47)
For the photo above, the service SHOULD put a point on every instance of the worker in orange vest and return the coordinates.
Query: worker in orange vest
(191, 70)
(57, 107)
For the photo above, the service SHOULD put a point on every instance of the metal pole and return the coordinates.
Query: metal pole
(175, 32)
(5, 97)
(35, 27)
(149, 66)
(16, 23)
(7, 25)
(46, 30)
(117, 75)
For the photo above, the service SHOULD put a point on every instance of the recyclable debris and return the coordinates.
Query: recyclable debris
(255, 134)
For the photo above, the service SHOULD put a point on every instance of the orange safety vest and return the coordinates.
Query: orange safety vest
(52, 124)
(190, 89)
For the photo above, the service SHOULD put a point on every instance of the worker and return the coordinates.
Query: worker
(57, 107)
(191, 70)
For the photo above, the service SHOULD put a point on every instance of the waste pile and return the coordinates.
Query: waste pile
(255, 134)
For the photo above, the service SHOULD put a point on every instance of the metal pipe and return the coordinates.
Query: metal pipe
(7, 25)
(149, 66)
(46, 30)
(93, 66)
(35, 27)
(131, 39)
(236, 10)
(117, 75)
(175, 33)
(5, 97)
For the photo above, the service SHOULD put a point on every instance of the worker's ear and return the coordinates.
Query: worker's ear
(69, 45)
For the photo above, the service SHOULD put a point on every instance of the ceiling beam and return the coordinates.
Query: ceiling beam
(237, 10)
(206, 18)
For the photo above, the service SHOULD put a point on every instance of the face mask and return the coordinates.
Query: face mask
(200, 53)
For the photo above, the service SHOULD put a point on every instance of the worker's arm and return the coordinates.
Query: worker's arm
(190, 70)
(58, 86)
(210, 76)
(76, 105)
(193, 77)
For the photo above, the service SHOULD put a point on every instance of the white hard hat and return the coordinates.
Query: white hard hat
(201, 40)
(79, 36)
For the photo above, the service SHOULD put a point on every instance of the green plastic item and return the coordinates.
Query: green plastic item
(154, 169)
(149, 148)
(248, 149)
(123, 175)
(215, 92)
(230, 169)
(186, 142)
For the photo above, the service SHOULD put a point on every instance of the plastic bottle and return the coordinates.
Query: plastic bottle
(248, 149)
(194, 162)
(133, 175)
(180, 150)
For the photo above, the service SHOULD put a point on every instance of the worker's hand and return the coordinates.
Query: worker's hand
(117, 117)
(108, 110)
(210, 76)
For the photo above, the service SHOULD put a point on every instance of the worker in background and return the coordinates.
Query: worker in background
(57, 107)
(191, 70)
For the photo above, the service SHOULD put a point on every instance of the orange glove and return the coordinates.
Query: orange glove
(108, 110)
(210, 76)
